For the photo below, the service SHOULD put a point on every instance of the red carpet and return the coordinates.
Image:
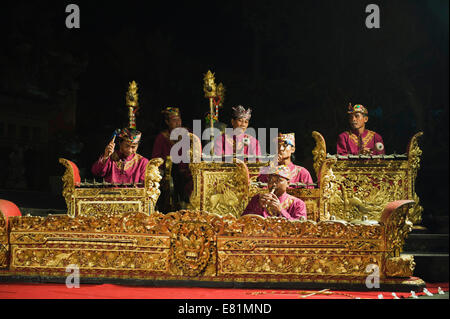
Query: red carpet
(108, 291)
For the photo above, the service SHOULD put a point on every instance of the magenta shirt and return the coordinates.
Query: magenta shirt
(121, 170)
(299, 175)
(162, 145)
(293, 207)
(224, 145)
(347, 142)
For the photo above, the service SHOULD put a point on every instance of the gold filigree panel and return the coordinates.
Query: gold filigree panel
(85, 258)
(356, 191)
(112, 198)
(295, 264)
(195, 244)
(220, 188)
(108, 207)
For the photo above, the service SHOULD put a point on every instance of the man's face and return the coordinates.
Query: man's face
(240, 124)
(285, 151)
(128, 148)
(173, 122)
(357, 120)
(280, 184)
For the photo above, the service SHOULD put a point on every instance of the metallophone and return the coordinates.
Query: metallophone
(211, 244)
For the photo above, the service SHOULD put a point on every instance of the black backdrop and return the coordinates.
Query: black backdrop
(296, 63)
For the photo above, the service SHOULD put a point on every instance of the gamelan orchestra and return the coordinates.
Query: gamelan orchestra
(227, 212)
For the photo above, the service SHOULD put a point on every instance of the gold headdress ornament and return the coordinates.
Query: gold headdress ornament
(132, 104)
(170, 112)
(130, 133)
(209, 86)
(357, 108)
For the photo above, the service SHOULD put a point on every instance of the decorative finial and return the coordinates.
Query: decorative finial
(132, 103)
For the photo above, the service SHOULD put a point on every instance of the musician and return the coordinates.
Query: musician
(163, 143)
(238, 143)
(181, 174)
(286, 148)
(123, 165)
(277, 202)
(359, 140)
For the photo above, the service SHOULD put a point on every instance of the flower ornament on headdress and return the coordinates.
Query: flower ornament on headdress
(239, 112)
(288, 139)
(128, 135)
(357, 108)
(171, 112)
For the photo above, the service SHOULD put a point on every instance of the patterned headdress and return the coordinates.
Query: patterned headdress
(171, 112)
(240, 112)
(357, 108)
(288, 138)
(129, 135)
(281, 170)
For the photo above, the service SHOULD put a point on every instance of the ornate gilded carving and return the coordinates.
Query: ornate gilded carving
(395, 217)
(220, 188)
(188, 245)
(326, 179)
(414, 153)
(319, 152)
(402, 266)
(68, 180)
(4, 246)
(364, 185)
(111, 201)
(193, 251)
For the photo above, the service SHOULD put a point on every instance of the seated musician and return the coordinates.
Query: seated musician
(277, 202)
(286, 148)
(181, 174)
(359, 140)
(123, 165)
(239, 142)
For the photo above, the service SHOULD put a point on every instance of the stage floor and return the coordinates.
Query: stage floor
(112, 291)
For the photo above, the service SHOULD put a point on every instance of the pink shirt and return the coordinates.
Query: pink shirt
(292, 207)
(118, 169)
(347, 143)
(299, 175)
(244, 144)
(162, 147)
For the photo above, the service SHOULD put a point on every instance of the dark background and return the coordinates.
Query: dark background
(297, 64)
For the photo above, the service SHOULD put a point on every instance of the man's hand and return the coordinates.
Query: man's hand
(366, 151)
(109, 149)
(271, 203)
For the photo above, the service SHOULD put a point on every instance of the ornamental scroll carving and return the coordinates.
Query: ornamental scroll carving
(4, 245)
(319, 152)
(196, 245)
(91, 201)
(363, 186)
(220, 188)
(414, 153)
